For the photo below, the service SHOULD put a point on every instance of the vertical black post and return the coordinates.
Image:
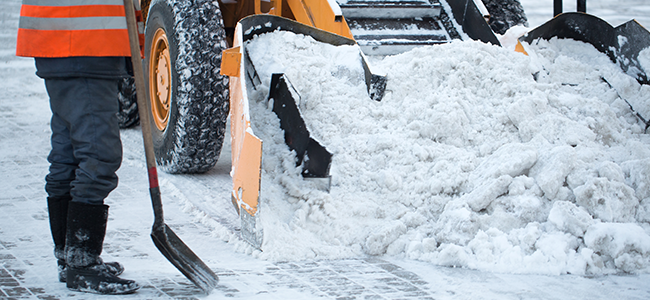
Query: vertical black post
(582, 6)
(557, 7)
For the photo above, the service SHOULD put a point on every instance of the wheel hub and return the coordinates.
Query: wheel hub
(160, 79)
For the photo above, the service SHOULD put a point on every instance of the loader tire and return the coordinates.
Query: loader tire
(127, 114)
(505, 14)
(189, 97)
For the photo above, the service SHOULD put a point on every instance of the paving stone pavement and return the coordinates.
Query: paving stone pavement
(28, 268)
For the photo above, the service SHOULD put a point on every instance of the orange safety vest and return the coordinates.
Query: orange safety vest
(68, 28)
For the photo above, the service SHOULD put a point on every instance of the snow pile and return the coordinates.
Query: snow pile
(477, 157)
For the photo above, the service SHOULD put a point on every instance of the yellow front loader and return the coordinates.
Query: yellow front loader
(193, 87)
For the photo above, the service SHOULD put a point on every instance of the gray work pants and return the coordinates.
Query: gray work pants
(86, 147)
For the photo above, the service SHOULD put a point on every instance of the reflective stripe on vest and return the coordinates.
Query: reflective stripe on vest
(72, 2)
(66, 28)
(93, 23)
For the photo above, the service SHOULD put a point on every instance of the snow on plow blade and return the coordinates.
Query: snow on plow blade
(314, 158)
(246, 146)
(622, 44)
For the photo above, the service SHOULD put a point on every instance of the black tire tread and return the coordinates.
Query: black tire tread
(505, 14)
(202, 96)
(127, 114)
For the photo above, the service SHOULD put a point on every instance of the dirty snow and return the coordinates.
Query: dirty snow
(477, 157)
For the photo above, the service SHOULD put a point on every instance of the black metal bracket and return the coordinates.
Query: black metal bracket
(314, 158)
(581, 6)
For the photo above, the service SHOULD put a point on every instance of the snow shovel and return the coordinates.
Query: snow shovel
(169, 244)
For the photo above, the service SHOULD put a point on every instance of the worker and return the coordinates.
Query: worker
(80, 49)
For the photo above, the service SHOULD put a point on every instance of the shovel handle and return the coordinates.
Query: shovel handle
(164, 238)
(143, 111)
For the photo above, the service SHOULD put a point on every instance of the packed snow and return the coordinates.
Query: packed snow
(477, 157)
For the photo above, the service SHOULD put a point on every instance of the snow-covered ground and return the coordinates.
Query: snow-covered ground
(477, 157)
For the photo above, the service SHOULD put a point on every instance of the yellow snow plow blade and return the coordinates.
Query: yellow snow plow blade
(311, 156)
(246, 147)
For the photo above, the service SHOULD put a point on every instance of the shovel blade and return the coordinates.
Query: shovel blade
(182, 257)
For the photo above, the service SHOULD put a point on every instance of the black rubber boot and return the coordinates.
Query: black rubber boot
(84, 240)
(58, 211)
(57, 208)
(112, 267)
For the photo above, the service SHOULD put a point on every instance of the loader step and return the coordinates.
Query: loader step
(394, 9)
(386, 27)
(392, 36)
